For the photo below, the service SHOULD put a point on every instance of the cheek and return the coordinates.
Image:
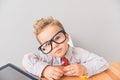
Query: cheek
(64, 49)
(65, 46)
(52, 53)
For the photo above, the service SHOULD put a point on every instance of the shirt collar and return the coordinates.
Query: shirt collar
(69, 53)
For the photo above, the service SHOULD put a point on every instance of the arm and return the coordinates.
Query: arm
(41, 66)
(93, 63)
(34, 63)
(86, 63)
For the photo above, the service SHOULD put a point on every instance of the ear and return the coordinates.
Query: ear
(68, 37)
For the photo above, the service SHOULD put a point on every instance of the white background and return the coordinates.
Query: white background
(93, 25)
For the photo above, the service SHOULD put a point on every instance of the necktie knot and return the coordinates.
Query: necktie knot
(65, 61)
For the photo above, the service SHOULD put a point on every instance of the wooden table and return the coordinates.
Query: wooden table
(113, 73)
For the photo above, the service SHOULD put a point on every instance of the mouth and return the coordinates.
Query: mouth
(58, 50)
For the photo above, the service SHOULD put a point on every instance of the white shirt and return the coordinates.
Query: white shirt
(35, 63)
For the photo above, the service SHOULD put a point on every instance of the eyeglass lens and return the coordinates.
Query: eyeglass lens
(58, 38)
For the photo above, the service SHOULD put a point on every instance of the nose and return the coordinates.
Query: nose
(54, 45)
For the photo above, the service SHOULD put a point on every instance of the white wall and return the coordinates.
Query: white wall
(92, 24)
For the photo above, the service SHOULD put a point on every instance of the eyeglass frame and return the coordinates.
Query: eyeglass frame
(51, 40)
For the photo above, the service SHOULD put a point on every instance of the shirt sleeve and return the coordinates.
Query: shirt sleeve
(34, 63)
(94, 63)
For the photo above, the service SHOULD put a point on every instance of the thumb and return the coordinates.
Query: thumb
(49, 78)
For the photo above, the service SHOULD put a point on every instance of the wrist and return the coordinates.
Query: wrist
(85, 73)
(44, 70)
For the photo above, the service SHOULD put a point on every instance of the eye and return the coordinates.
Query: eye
(43, 49)
(47, 44)
(56, 38)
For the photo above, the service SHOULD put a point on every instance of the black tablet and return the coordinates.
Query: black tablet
(12, 72)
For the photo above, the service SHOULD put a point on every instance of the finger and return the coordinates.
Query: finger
(58, 74)
(55, 77)
(69, 73)
(67, 68)
(58, 70)
(49, 78)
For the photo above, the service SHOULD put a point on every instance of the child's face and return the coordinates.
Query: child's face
(58, 50)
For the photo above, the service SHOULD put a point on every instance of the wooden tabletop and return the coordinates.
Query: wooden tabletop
(113, 73)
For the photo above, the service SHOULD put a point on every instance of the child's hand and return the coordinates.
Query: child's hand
(51, 73)
(75, 70)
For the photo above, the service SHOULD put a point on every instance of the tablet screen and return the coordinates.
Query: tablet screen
(9, 73)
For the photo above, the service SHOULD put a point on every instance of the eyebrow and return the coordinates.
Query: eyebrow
(53, 36)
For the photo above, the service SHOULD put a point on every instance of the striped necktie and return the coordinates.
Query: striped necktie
(65, 60)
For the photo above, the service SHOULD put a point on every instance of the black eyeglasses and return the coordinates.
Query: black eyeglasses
(58, 38)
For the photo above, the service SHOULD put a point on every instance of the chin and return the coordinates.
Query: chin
(61, 55)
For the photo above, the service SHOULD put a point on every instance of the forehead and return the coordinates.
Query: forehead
(48, 32)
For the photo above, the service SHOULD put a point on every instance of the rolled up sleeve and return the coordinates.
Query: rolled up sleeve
(95, 64)
(33, 64)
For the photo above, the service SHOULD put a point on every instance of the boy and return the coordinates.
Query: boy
(56, 51)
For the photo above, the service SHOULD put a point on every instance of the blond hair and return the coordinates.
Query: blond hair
(43, 22)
